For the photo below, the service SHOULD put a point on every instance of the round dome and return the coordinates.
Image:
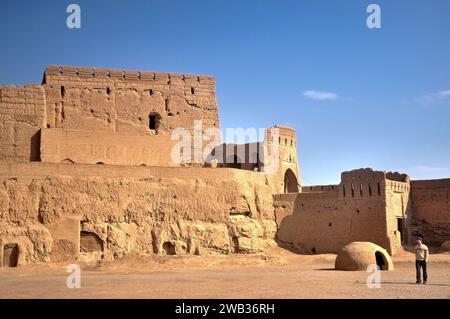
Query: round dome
(359, 255)
(445, 246)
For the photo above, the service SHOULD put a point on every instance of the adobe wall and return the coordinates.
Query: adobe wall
(147, 210)
(75, 146)
(431, 210)
(121, 101)
(22, 114)
(323, 223)
(107, 104)
(324, 218)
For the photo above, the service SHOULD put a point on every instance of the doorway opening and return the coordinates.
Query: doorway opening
(90, 242)
(290, 182)
(169, 248)
(10, 255)
(400, 229)
(381, 261)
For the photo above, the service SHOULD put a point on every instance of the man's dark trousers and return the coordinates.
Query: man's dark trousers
(421, 264)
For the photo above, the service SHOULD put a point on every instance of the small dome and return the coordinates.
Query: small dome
(359, 255)
(445, 246)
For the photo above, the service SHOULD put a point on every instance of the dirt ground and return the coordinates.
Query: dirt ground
(278, 273)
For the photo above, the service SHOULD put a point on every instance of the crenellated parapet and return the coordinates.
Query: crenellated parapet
(126, 75)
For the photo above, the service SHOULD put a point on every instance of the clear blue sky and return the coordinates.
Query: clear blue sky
(358, 97)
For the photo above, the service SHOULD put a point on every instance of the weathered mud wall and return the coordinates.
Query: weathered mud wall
(62, 212)
(431, 205)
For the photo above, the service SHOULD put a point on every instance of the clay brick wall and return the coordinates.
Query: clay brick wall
(431, 210)
(22, 113)
(75, 146)
(46, 207)
(121, 101)
(324, 218)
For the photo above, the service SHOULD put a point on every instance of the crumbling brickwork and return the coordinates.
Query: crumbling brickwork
(22, 114)
(365, 206)
(431, 217)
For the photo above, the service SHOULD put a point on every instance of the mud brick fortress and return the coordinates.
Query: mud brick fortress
(86, 174)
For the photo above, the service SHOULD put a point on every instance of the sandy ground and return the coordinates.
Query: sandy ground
(276, 274)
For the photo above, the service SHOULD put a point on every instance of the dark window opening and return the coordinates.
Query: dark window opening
(330, 224)
(343, 189)
(192, 91)
(63, 91)
(153, 121)
(353, 191)
(10, 255)
(379, 189)
(108, 91)
(370, 190)
(150, 92)
(361, 190)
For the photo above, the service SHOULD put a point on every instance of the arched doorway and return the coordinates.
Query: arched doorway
(381, 260)
(290, 182)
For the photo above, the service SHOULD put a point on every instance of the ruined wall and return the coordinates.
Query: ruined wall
(22, 113)
(143, 104)
(431, 210)
(324, 218)
(148, 210)
(121, 101)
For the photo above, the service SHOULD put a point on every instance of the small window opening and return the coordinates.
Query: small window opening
(153, 121)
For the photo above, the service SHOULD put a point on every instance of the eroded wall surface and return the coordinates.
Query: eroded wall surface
(146, 210)
(324, 218)
(22, 114)
(431, 204)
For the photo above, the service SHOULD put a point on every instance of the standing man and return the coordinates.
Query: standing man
(421, 260)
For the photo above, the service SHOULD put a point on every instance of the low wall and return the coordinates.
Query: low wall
(322, 222)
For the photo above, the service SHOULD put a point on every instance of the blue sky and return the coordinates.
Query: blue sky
(358, 97)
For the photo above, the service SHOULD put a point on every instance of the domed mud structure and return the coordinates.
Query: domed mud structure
(359, 255)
